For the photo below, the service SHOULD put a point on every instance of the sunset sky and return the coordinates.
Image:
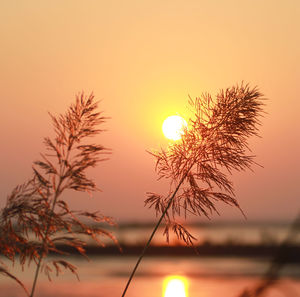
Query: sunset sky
(143, 59)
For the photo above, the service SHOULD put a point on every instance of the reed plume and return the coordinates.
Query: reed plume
(36, 216)
(198, 166)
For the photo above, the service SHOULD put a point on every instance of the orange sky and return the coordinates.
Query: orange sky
(143, 59)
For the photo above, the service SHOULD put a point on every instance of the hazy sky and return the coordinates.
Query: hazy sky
(142, 59)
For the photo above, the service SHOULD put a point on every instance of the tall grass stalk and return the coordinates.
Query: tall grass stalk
(37, 207)
(214, 144)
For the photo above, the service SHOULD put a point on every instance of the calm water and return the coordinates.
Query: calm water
(210, 277)
(207, 277)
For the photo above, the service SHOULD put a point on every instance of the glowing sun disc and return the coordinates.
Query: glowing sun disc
(175, 286)
(173, 127)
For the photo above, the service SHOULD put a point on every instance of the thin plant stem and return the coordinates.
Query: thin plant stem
(154, 230)
(41, 256)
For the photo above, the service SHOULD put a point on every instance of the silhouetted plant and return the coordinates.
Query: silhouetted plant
(36, 217)
(282, 257)
(214, 144)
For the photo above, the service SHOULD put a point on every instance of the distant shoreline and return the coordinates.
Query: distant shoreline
(290, 254)
(216, 223)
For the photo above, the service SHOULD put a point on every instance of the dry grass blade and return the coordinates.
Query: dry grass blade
(4, 271)
(58, 265)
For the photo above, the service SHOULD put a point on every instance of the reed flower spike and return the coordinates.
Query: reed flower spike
(36, 217)
(199, 165)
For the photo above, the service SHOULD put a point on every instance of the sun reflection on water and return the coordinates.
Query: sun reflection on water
(175, 286)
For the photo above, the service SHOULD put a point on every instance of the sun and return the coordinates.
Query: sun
(175, 286)
(173, 127)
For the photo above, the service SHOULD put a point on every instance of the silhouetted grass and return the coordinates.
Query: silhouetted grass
(198, 166)
(38, 207)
